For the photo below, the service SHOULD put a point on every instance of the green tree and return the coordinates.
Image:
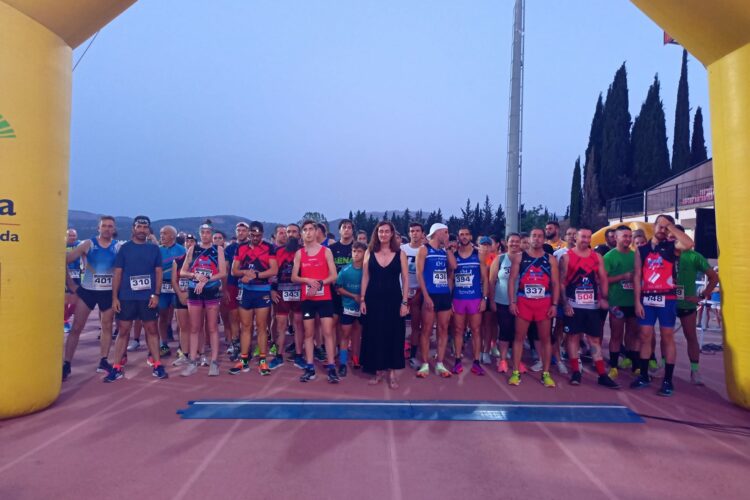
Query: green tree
(487, 216)
(650, 152)
(698, 152)
(592, 196)
(576, 195)
(681, 139)
(616, 169)
(316, 216)
(498, 222)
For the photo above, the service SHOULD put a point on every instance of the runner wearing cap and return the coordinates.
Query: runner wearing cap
(136, 286)
(435, 267)
(488, 252)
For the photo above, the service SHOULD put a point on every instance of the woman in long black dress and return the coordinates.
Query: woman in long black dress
(384, 305)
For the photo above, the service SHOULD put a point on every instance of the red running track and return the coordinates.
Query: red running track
(125, 440)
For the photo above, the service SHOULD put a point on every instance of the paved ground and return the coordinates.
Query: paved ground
(125, 441)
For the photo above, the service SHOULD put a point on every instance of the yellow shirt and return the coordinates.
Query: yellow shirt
(556, 246)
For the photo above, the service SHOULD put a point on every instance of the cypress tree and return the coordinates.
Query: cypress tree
(592, 198)
(681, 139)
(576, 196)
(650, 152)
(698, 153)
(616, 169)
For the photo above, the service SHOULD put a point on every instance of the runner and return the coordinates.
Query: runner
(552, 233)
(558, 333)
(315, 270)
(434, 265)
(619, 263)
(349, 286)
(611, 242)
(180, 287)
(533, 288)
(469, 300)
(362, 236)
(229, 308)
(286, 296)
(205, 267)
(170, 250)
(690, 264)
(499, 274)
(655, 276)
(136, 286)
(488, 252)
(342, 257)
(416, 236)
(74, 270)
(254, 263)
(639, 238)
(95, 291)
(585, 291)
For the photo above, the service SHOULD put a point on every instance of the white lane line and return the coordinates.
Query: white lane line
(406, 404)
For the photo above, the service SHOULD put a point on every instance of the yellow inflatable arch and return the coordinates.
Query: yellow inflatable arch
(36, 42)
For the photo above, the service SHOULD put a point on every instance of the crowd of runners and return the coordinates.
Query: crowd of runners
(541, 299)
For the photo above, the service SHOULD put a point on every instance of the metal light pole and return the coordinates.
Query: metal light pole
(515, 120)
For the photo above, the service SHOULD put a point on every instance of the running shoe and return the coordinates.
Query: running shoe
(666, 389)
(300, 363)
(441, 370)
(575, 379)
(165, 351)
(458, 367)
(695, 378)
(181, 360)
(607, 382)
(495, 352)
(502, 366)
(242, 365)
(66, 327)
(414, 363)
(640, 383)
(653, 366)
(625, 363)
(522, 368)
(290, 348)
(537, 367)
(485, 358)
(276, 362)
(213, 370)
(613, 373)
(66, 370)
(160, 373)
(104, 366)
(319, 354)
(114, 374)
(256, 351)
(190, 369)
(203, 360)
(547, 380)
(476, 368)
(263, 368)
(308, 376)
(342, 370)
(150, 360)
(333, 377)
(423, 371)
(561, 368)
(274, 350)
(230, 349)
(515, 378)
(355, 363)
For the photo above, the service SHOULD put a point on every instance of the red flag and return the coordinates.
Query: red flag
(669, 40)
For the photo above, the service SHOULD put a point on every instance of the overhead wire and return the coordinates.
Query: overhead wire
(86, 50)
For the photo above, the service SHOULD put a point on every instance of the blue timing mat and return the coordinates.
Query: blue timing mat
(485, 411)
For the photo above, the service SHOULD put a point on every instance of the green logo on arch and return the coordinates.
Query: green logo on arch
(6, 131)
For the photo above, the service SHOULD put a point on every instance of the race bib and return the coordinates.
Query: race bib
(183, 284)
(464, 280)
(74, 273)
(166, 287)
(319, 293)
(291, 295)
(585, 297)
(440, 278)
(239, 293)
(140, 282)
(680, 292)
(352, 312)
(412, 292)
(102, 282)
(204, 272)
(534, 291)
(654, 301)
(627, 285)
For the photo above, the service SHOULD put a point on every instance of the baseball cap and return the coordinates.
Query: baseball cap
(242, 224)
(435, 228)
(485, 240)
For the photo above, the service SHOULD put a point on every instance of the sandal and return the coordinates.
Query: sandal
(392, 382)
(376, 379)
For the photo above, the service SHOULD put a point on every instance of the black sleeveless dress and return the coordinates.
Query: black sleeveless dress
(384, 329)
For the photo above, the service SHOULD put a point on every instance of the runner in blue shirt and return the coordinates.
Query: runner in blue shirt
(349, 286)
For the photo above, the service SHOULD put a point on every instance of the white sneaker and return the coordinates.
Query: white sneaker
(181, 360)
(495, 352)
(485, 358)
(203, 360)
(537, 367)
(213, 370)
(415, 363)
(133, 345)
(696, 379)
(561, 368)
(190, 369)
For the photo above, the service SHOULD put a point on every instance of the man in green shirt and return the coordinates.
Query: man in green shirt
(619, 263)
(691, 263)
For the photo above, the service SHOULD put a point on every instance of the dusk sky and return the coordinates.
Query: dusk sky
(269, 109)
